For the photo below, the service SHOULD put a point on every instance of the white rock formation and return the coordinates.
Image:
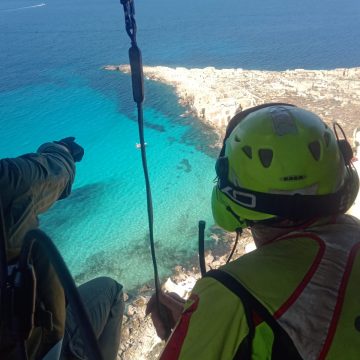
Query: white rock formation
(216, 95)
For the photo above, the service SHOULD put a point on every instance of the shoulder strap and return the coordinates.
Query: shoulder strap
(283, 346)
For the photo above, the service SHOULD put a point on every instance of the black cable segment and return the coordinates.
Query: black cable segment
(238, 234)
(149, 199)
(202, 248)
(137, 79)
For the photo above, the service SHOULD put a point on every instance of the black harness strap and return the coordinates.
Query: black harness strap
(283, 346)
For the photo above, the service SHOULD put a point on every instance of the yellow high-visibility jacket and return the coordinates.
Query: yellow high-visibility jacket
(299, 298)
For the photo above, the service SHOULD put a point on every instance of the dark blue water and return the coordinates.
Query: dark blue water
(52, 85)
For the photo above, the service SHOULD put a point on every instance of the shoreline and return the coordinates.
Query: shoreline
(216, 95)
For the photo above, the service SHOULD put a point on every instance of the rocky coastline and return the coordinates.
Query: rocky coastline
(215, 96)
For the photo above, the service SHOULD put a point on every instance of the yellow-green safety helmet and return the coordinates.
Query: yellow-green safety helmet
(274, 152)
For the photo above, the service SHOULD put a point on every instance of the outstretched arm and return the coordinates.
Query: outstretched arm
(31, 183)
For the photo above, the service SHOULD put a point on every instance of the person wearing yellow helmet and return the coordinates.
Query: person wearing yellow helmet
(280, 150)
(287, 176)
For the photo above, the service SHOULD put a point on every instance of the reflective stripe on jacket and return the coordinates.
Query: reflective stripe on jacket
(307, 281)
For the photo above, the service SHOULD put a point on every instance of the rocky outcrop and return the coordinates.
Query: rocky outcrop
(216, 95)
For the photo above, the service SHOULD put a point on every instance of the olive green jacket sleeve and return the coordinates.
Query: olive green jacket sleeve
(29, 185)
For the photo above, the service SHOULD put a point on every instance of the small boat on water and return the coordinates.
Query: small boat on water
(138, 145)
(185, 114)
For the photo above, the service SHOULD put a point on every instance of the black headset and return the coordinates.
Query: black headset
(295, 206)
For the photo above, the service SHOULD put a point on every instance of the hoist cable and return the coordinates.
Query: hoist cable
(149, 199)
(137, 79)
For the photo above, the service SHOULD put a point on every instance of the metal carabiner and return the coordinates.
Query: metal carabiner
(130, 23)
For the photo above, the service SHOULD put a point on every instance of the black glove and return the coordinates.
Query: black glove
(76, 151)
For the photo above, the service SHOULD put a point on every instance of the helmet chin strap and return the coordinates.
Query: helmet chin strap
(233, 213)
(238, 230)
(238, 234)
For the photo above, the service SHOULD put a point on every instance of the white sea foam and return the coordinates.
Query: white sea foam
(26, 7)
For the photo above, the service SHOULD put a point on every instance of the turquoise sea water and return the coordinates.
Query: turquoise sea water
(102, 227)
(52, 85)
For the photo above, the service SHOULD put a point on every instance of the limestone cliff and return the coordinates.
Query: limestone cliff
(216, 95)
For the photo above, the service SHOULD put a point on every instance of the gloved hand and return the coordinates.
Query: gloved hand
(76, 151)
(171, 304)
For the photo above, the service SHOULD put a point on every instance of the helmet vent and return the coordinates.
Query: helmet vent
(248, 151)
(293, 178)
(266, 156)
(315, 150)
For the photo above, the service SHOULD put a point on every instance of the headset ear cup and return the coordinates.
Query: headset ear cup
(346, 151)
(222, 168)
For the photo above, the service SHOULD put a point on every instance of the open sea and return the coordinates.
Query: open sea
(52, 85)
